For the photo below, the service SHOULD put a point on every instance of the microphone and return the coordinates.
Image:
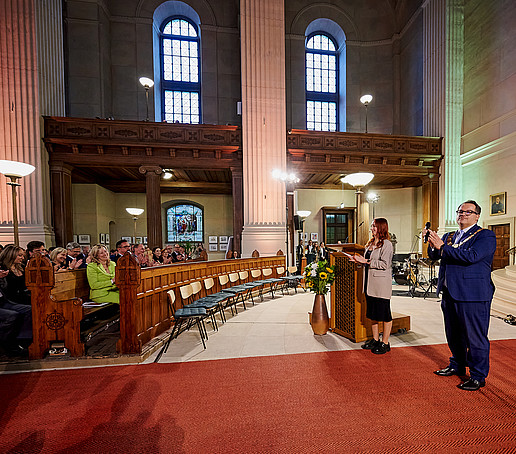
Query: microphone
(427, 234)
(354, 231)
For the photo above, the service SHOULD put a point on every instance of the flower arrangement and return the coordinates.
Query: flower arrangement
(319, 276)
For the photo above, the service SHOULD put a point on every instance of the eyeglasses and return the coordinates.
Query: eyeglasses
(467, 212)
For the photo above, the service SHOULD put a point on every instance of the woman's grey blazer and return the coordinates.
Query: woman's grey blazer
(379, 277)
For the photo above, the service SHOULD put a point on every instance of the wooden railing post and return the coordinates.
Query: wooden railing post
(127, 279)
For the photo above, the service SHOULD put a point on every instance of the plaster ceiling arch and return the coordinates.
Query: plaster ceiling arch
(146, 9)
(343, 16)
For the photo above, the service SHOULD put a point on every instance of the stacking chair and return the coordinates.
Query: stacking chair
(273, 282)
(187, 314)
(242, 290)
(255, 274)
(293, 280)
(187, 294)
(250, 285)
(210, 304)
(234, 294)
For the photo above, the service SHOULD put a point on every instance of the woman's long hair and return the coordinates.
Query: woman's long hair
(94, 254)
(9, 255)
(382, 229)
(55, 252)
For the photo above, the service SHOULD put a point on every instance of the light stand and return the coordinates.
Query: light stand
(134, 212)
(358, 181)
(303, 214)
(365, 100)
(14, 171)
(373, 198)
(286, 178)
(147, 84)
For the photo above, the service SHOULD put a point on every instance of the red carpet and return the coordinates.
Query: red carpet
(349, 401)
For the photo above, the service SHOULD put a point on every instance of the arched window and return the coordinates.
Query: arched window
(322, 88)
(180, 71)
(185, 223)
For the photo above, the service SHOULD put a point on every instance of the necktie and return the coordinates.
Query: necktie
(459, 236)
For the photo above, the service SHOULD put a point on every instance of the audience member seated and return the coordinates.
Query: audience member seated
(11, 260)
(15, 325)
(86, 253)
(35, 247)
(198, 252)
(236, 255)
(122, 246)
(141, 257)
(58, 259)
(177, 256)
(167, 254)
(101, 276)
(75, 253)
(157, 256)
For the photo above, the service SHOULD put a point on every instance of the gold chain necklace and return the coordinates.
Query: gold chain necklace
(450, 239)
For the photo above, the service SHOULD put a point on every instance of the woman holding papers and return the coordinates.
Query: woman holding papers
(101, 276)
(377, 262)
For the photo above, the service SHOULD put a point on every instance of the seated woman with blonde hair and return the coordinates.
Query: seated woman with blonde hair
(101, 276)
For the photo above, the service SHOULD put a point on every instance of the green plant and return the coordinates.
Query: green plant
(319, 276)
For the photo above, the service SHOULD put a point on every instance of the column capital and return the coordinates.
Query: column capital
(150, 169)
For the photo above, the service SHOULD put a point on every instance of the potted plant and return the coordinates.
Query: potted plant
(318, 278)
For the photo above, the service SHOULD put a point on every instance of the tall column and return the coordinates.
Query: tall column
(31, 52)
(263, 124)
(152, 190)
(61, 185)
(238, 209)
(430, 202)
(443, 77)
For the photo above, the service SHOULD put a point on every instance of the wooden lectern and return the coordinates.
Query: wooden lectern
(348, 304)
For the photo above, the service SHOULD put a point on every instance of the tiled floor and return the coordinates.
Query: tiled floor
(280, 326)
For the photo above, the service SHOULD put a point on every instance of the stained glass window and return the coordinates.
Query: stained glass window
(321, 83)
(184, 223)
(180, 71)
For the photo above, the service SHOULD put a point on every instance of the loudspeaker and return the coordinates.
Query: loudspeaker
(298, 222)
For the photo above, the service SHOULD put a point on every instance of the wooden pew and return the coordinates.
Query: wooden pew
(144, 313)
(57, 309)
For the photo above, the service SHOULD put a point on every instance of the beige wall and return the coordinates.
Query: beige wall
(95, 207)
(401, 207)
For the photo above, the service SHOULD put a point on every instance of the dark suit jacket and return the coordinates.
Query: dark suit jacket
(468, 267)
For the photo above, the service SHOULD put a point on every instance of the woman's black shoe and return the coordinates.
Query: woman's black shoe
(381, 348)
(370, 344)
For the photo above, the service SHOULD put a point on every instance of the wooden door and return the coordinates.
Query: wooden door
(502, 232)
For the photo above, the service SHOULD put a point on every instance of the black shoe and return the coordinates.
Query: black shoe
(370, 344)
(381, 348)
(449, 371)
(472, 385)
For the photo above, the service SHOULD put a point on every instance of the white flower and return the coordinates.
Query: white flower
(313, 273)
(314, 266)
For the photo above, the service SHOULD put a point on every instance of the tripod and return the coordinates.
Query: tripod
(432, 282)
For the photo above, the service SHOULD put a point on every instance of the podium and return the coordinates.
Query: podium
(348, 304)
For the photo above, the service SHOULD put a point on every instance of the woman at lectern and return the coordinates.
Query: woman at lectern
(377, 262)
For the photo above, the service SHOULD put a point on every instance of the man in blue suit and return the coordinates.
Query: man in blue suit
(467, 291)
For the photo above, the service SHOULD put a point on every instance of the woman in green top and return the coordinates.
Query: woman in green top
(101, 276)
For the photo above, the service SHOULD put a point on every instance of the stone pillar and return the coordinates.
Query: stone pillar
(61, 188)
(20, 120)
(263, 124)
(238, 208)
(152, 190)
(443, 76)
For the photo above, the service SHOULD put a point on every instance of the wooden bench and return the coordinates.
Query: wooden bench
(57, 299)
(58, 313)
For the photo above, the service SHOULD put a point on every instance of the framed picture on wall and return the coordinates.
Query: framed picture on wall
(107, 238)
(212, 248)
(139, 240)
(84, 239)
(314, 236)
(498, 203)
(223, 239)
(305, 237)
(75, 239)
(144, 240)
(102, 238)
(129, 239)
(212, 240)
